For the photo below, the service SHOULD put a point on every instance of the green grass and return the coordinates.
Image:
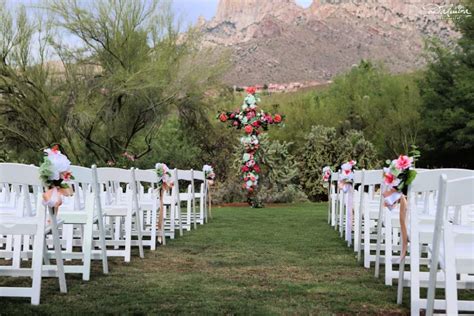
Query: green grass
(277, 260)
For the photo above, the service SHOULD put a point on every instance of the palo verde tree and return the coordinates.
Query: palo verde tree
(108, 93)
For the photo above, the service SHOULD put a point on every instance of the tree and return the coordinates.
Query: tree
(110, 94)
(448, 95)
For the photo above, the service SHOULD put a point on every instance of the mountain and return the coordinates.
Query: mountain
(277, 41)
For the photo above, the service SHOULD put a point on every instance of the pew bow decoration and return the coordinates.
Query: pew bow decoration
(346, 177)
(326, 176)
(55, 173)
(346, 180)
(165, 182)
(397, 177)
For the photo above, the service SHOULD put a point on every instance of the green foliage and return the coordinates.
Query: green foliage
(45, 170)
(448, 96)
(325, 147)
(108, 97)
(278, 182)
(385, 107)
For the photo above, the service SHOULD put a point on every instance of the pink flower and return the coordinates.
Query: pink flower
(403, 162)
(388, 178)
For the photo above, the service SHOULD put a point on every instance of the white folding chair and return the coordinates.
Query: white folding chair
(29, 220)
(452, 246)
(421, 233)
(122, 210)
(201, 196)
(79, 214)
(189, 218)
(172, 208)
(333, 197)
(367, 214)
(148, 200)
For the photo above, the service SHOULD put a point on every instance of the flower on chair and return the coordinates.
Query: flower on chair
(164, 176)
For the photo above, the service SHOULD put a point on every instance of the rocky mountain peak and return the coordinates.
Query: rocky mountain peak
(285, 42)
(246, 12)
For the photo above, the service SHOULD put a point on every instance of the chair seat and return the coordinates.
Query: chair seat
(464, 256)
(115, 210)
(73, 217)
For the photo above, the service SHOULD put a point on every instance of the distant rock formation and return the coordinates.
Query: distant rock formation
(285, 42)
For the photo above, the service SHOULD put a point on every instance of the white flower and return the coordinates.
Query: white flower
(59, 163)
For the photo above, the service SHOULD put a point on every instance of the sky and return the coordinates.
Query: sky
(190, 10)
(187, 10)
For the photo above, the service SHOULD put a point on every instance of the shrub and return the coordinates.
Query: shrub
(325, 147)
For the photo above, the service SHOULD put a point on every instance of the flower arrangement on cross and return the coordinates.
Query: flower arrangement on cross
(253, 121)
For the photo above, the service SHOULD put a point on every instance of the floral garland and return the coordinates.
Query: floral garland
(252, 121)
(326, 176)
(398, 175)
(54, 173)
(164, 176)
(346, 177)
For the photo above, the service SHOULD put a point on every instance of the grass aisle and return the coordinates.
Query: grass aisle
(277, 260)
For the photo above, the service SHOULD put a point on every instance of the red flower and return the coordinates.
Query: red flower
(251, 90)
(248, 129)
(256, 123)
(55, 149)
(67, 175)
(245, 169)
(277, 118)
(223, 117)
(232, 115)
(236, 123)
(256, 168)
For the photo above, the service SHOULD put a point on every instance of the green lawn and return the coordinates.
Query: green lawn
(276, 260)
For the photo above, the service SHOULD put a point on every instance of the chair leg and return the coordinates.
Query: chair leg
(128, 236)
(153, 224)
(37, 264)
(450, 273)
(103, 244)
(401, 276)
(57, 252)
(139, 233)
(87, 249)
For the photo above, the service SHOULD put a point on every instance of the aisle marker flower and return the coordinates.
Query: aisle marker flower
(398, 175)
(54, 173)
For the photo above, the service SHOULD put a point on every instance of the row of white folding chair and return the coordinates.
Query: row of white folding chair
(421, 212)
(421, 233)
(29, 221)
(339, 215)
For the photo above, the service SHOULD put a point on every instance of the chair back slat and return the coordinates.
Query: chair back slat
(428, 180)
(460, 192)
(15, 173)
